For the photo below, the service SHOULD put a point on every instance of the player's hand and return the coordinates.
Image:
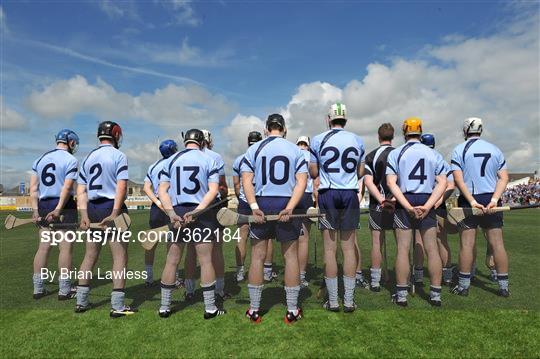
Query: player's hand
(188, 218)
(489, 207)
(85, 222)
(475, 204)
(53, 216)
(258, 216)
(389, 204)
(421, 212)
(411, 210)
(108, 219)
(175, 219)
(285, 215)
(35, 217)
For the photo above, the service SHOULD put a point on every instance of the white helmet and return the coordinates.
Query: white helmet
(208, 138)
(304, 139)
(337, 111)
(472, 125)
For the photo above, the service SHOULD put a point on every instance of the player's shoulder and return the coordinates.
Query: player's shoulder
(212, 154)
(488, 144)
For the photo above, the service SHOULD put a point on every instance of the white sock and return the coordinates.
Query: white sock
(209, 296)
(349, 283)
(291, 294)
(255, 292)
(375, 277)
(332, 289)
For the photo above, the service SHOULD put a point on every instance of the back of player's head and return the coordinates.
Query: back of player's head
(68, 137)
(386, 132)
(472, 126)
(194, 136)
(168, 148)
(428, 139)
(275, 122)
(337, 114)
(253, 137)
(109, 130)
(303, 140)
(412, 127)
(208, 138)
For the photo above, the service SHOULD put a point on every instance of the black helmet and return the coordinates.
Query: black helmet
(275, 118)
(194, 136)
(110, 130)
(254, 136)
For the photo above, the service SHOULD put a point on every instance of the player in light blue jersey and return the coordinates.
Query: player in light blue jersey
(190, 183)
(415, 174)
(337, 159)
(243, 207)
(101, 192)
(481, 176)
(158, 217)
(443, 227)
(274, 178)
(51, 190)
(307, 201)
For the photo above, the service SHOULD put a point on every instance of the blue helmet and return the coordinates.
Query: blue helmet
(168, 148)
(68, 137)
(428, 139)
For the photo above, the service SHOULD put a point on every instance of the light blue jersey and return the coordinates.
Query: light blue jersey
(338, 154)
(307, 156)
(275, 163)
(416, 166)
(155, 171)
(189, 172)
(219, 160)
(236, 170)
(52, 169)
(101, 170)
(479, 161)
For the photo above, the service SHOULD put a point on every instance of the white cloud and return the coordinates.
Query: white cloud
(118, 9)
(166, 107)
(186, 55)
(11, 119)
(183, 12)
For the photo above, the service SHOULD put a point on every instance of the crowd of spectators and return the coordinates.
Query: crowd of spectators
(523, 194)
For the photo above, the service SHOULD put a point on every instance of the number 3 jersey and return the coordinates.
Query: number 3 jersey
(189, 172)
(416, 166)
(52, 169)
(101, 170)
(338, 154)
(275, 163)
(479, 161)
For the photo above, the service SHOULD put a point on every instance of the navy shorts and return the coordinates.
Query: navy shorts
(441, 211)
(305, 203)
(199, 231)
(101, 208)
(47, 205)
(158, 218)
(486, 221)
(341, 207)
(281, 231)
(403, 220)
(243, 207)
(380, 220)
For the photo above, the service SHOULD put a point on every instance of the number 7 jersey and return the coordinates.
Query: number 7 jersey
(479, 161)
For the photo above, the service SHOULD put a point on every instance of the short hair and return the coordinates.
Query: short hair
(274, 126)
(386, 132)
(339, 122)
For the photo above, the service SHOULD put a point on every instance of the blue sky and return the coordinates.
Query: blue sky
(246, 58)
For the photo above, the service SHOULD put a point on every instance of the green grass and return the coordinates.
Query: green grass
(481, 325)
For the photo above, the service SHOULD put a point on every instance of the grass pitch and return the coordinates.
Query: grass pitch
(480, 325)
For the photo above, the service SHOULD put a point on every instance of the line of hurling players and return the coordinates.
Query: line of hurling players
(407, 185)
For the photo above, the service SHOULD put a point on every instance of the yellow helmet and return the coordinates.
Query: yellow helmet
(412, 126)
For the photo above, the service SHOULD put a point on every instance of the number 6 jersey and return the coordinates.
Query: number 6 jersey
(101, 170)
(52, 169)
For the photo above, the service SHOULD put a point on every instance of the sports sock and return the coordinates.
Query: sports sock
(209, 295)
(464, 280)
(349, 283)
(435, 292)
(267, 269)
(166, 296)
(493, 273)
(220, 286)
(291, 294)
(39, 286)
(359, 275)
(190, 285)
(375, 277)
(401, 291)
(149, 273)
(447, 274)
(64, 286)
(83, 291)
(117, 299)
(255, 292)
(239, 269)
(332, 288)
(302, 276)
(502, 278)
(418, 274)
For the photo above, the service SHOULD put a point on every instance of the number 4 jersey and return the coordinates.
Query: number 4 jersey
(479, 161)
(416, 166)
(101, 170)
(52, 169)
(189, 172)
(338, 154)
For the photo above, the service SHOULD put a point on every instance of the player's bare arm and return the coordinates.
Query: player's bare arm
(460, 183)
(298, 192)
(391, 181)
(502, 182)
(163, 192)
(314, 170)
(236, 184)
(438, 191)
(64, 196)
(119, 198)
(149, 190)
(249, 191)
(34, 196)
(82, 206)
